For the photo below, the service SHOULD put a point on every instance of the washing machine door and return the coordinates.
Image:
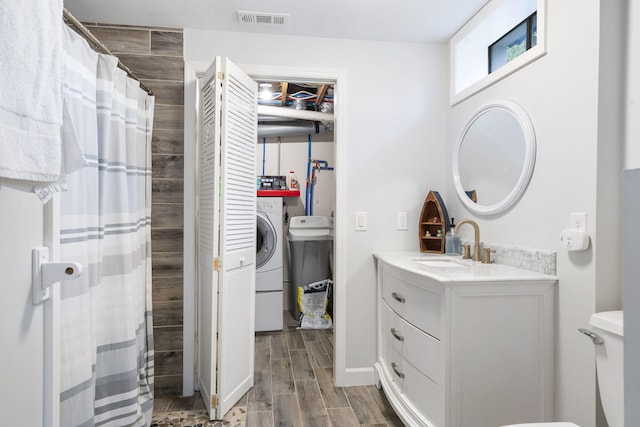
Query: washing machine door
(266, 240)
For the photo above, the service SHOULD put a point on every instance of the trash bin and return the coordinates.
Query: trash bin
(311, 245)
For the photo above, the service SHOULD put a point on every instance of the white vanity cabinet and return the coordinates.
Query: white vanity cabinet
(465, 347)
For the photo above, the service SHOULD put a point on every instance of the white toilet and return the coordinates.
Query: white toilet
(609, 363)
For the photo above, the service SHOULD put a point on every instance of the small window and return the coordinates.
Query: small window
(513, 44)
(472, 68)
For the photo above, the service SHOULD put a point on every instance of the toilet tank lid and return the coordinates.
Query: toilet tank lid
(610, 321)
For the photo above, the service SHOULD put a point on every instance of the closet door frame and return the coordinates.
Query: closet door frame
(343, 376)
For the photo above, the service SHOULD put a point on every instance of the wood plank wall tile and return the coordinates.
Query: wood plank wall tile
(167, 265)
(169, 92)
(166, 239)
(169, 338)
(154, 66)
(166, 43)
(166, 191)
(167, 289)
(169, 166)
(167, 313)
(155, 55)
(168, 141)
(168, 116)
(167, 362)
(119, 40)
(168, 215)
(134, 27)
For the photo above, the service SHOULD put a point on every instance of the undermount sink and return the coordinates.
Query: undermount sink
(439, 263)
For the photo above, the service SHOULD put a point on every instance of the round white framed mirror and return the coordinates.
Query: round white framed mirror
(494, 158)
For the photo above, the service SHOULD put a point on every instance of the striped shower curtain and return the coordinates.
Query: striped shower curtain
(106, 348)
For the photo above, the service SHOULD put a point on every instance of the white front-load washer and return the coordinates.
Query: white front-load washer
(269, 264)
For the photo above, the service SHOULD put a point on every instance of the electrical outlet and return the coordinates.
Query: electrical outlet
(579, 221)
(401, 221)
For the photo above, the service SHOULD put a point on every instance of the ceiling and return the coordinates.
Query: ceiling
(294, 99)
(302, 96)
(419, 21)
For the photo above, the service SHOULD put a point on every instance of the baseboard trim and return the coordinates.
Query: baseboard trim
(356, 376)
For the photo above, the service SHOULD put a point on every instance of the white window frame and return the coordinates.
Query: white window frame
(469, 46)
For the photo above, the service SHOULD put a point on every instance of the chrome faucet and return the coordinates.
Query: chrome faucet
(476, 229)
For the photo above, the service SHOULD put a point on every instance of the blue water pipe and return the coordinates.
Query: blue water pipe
(306, 194)
(264, 153)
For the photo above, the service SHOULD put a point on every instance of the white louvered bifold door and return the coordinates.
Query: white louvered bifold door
(227, 233)
(238, 235)
(208, 235)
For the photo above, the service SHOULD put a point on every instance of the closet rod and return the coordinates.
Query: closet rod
(84, 31)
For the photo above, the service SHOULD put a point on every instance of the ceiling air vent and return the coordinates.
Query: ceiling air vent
(245, 17)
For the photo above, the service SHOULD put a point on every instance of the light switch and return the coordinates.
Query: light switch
(361, 221)
(401, 221)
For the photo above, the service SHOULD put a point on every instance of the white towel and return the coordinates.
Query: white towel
(30, 92)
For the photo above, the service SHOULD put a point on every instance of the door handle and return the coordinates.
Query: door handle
(397, 297)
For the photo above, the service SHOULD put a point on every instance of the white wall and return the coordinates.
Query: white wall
(632, 161)
(577, 170)
(395, 132)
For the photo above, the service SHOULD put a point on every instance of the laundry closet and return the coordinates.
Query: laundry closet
(295, 142)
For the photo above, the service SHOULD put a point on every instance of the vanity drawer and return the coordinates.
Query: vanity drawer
(419, 389)
(418, 348)
(418, 305)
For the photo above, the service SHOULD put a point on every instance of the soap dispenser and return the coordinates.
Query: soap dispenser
(451, 241)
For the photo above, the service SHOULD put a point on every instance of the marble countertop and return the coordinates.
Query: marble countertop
(454, 269)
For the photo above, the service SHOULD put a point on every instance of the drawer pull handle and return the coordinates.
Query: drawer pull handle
(397, 297)
(395, 335)
(398, 373)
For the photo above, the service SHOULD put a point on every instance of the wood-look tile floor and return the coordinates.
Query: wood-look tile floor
(293, 386)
